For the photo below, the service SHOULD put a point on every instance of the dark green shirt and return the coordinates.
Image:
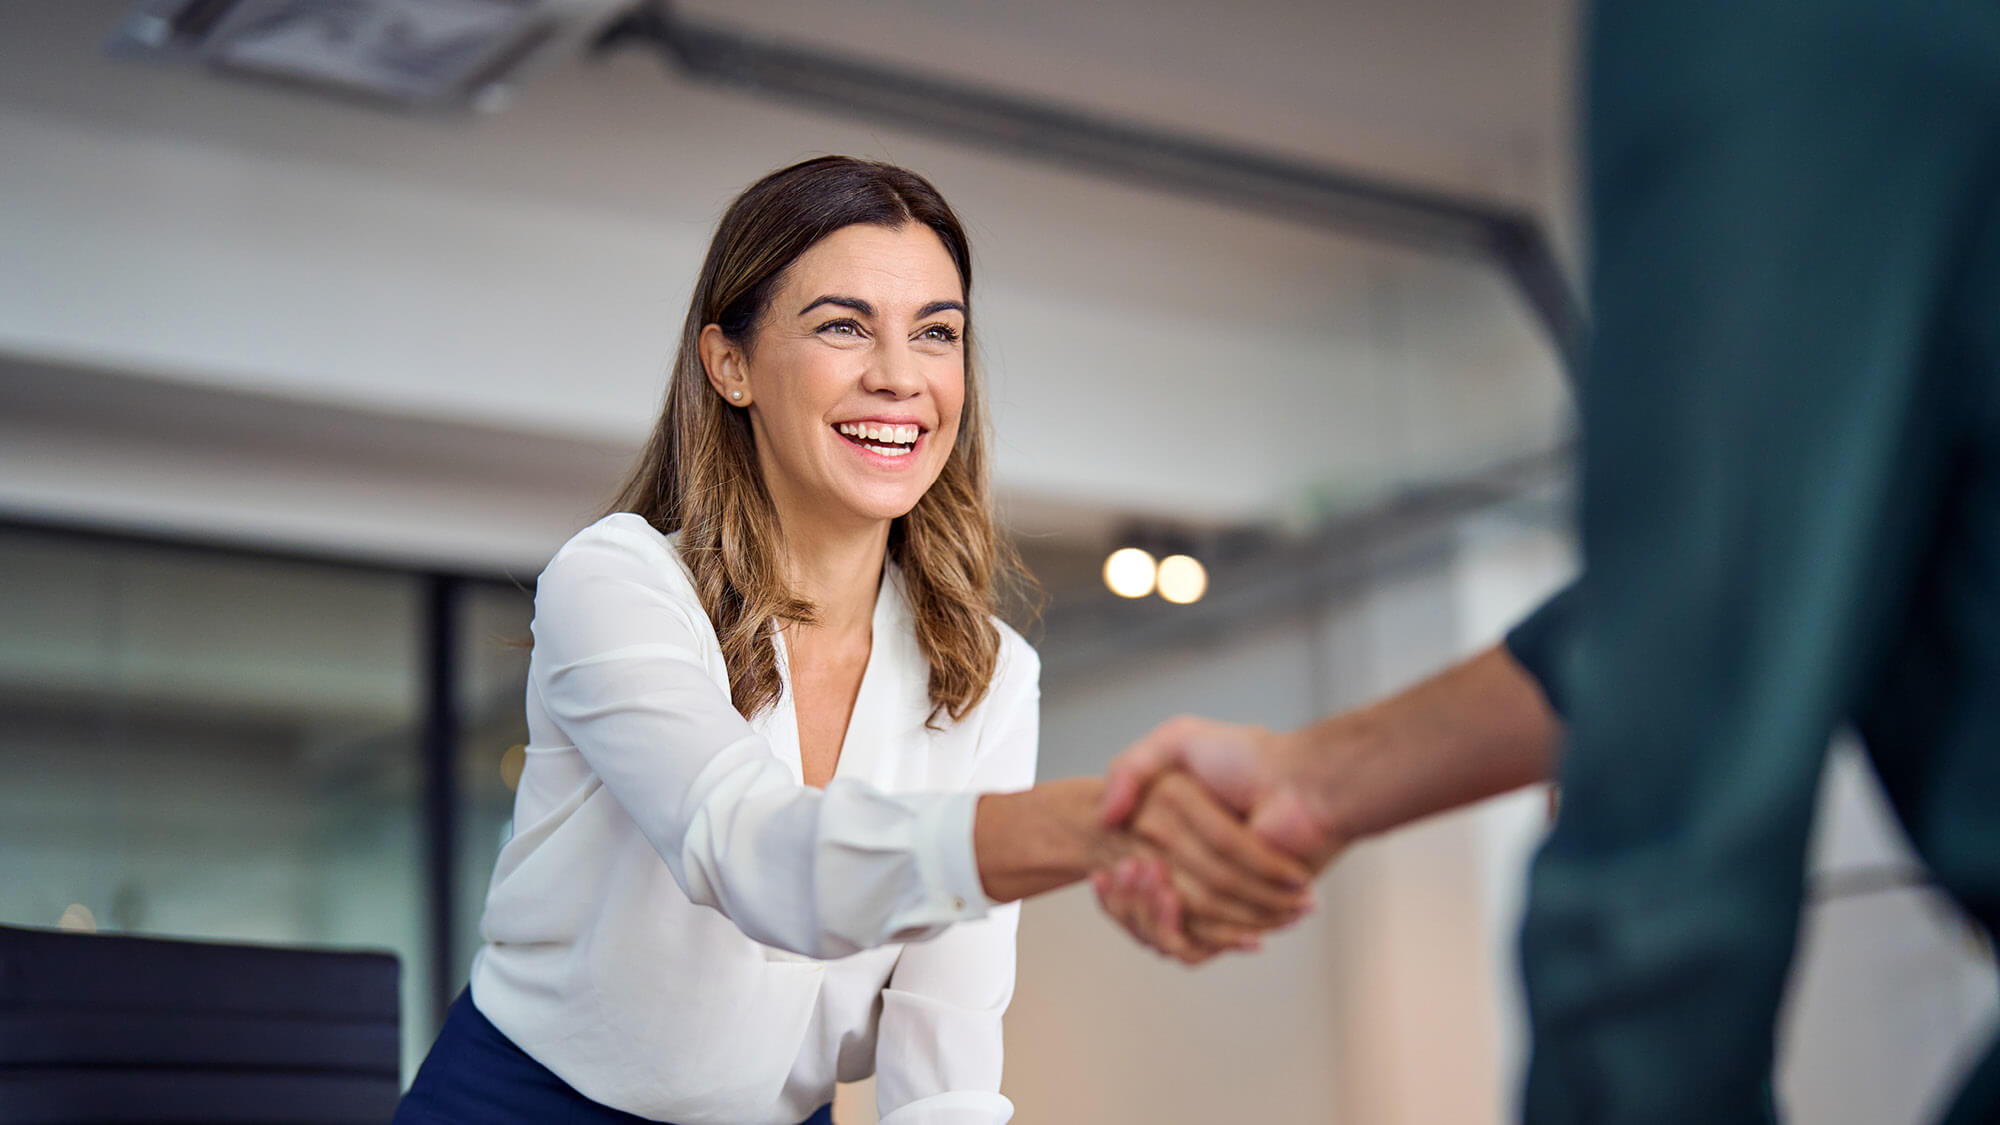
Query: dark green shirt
(1790, 515)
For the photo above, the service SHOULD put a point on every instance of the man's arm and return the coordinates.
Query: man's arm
(1476, 730)
(1480, 728)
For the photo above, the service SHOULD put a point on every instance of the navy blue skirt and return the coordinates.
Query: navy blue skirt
(475, 1075)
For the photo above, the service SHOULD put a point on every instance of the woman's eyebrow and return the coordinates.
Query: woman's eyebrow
(855, 303)
(936, 307)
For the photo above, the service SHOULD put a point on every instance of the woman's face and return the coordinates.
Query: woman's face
(855, 376)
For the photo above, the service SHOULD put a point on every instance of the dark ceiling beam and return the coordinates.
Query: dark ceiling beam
(1510, 238)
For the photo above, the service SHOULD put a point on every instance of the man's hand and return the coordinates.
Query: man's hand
(1261, 775)
(1226, 883)
(1255, 774)
(1199, 877)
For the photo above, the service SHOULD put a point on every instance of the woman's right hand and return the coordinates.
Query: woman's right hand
(1194, 880)
(1209, 882)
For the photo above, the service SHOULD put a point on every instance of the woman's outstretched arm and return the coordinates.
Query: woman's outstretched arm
(619, 667)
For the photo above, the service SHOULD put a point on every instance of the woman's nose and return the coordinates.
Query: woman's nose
(895, 371)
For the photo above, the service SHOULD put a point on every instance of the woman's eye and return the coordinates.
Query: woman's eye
(943, 333)
(841, 328)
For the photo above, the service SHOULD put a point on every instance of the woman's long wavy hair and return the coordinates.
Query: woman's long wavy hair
(699, 475)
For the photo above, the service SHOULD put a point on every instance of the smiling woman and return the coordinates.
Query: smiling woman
(855, 405)
(776, 805)
(848, 283)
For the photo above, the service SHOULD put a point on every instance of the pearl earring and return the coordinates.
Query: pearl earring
(736, 396)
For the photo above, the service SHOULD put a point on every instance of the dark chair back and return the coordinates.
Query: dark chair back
(100, 1029)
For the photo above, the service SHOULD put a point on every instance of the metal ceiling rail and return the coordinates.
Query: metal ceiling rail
(1404, 532)
(1508, 237)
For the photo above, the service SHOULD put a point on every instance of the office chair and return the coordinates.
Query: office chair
(103, 1029)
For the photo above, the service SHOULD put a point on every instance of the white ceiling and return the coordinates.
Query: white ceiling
(1150, 355)
(1455, 93)
(1470, 95)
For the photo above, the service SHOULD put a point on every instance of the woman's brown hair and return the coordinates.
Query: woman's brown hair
(698, 475)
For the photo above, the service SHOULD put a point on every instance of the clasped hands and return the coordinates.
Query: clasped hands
(1224, 832)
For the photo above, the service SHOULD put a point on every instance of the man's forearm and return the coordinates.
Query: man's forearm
(1473, 731)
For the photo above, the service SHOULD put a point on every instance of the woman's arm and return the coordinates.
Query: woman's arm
(823, 873)
(938, 1047)
(938, 1051)
(619, 667)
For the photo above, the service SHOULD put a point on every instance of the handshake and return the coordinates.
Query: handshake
(1211, 835)
(1205, 835)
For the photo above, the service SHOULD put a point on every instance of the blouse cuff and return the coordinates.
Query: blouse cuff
(948, 865)
(955, 1107)
(950, 832)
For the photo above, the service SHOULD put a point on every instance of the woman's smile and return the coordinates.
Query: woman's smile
(885, 442)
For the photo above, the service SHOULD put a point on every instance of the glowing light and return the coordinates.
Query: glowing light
(1182, 579)
(511, 764)
(78, 918)
(1129, 572)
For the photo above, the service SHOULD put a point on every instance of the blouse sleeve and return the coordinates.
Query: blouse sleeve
(938, 1050)
(618, 667)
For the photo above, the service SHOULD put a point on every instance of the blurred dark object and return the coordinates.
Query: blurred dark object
(108, 1029)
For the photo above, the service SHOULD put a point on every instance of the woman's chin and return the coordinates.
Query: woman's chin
(878, 509)
(880, 502)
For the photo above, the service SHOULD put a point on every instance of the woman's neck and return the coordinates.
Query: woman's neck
(838, 570)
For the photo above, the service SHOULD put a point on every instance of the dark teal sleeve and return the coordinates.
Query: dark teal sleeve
(1537, 643)
(1779, 199)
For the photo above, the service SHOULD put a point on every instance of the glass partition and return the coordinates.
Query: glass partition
(210, 744)
(493, 678)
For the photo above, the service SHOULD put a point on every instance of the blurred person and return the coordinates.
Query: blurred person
(777, 787)
(1790, 517)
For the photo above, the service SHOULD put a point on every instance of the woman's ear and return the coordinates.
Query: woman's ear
(723, 360)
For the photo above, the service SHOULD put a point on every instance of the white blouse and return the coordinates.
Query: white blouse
(680, 928)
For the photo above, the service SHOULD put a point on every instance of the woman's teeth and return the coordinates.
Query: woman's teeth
(871, 431)
(887, 440)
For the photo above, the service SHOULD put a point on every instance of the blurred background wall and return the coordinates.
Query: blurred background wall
(296, 396)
